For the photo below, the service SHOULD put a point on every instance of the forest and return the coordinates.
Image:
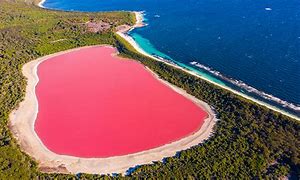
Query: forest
(249, 141)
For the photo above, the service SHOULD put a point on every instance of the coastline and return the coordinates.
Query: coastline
(40, 3)
(139, 23)
(22, 122)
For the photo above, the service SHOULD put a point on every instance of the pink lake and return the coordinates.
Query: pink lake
(93, 104)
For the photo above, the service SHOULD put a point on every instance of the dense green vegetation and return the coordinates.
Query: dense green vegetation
(249, 142)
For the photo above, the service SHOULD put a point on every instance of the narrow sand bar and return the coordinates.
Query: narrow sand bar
(23, 119)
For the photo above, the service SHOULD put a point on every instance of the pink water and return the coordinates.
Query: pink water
(92, 104)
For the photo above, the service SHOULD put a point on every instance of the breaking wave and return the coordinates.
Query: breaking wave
(248, 88)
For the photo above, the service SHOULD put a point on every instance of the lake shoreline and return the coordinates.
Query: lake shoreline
(22, 121)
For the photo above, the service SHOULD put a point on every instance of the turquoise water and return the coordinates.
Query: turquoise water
(251, 46)
(146, 45)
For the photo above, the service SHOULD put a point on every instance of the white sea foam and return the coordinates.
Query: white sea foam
(249, 88)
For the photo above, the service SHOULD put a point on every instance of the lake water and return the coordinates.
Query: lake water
(108, 106)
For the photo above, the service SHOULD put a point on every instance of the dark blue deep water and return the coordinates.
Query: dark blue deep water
(253, 41)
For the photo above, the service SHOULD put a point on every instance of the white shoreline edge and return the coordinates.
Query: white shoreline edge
(22, 122)
(40, 4)
(139, 23)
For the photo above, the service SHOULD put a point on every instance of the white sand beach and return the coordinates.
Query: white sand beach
(40, 4)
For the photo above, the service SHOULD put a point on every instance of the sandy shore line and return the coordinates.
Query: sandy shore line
(22, 122)
(139, 23)
(40, 4)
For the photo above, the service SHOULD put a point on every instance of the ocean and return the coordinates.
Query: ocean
(251, 46)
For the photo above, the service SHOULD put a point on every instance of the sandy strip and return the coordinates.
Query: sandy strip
(40, 4)
(139, 23)
(22, 122)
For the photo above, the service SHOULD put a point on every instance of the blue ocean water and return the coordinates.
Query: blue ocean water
(236, 41)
